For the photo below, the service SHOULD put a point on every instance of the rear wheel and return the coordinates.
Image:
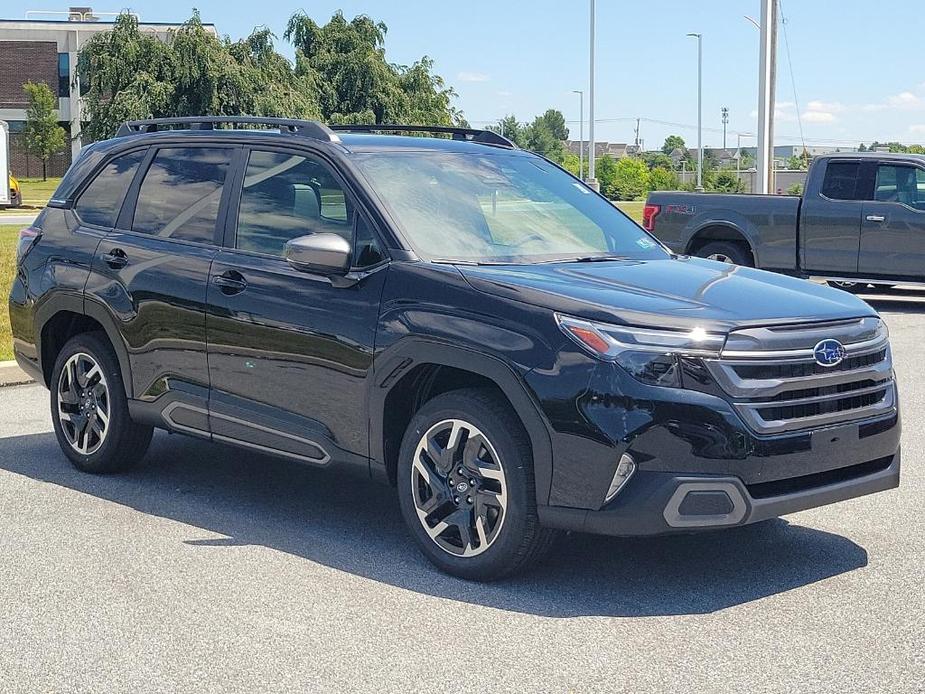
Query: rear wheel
(465, 485)
(726, 252)
(89, 408)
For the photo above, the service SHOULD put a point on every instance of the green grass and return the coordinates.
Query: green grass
(8, 237)
(632, 208)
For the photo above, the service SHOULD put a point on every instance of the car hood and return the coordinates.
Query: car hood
(677, 291)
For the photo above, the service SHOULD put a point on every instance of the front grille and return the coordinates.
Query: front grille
(791, 485)
(772, 379)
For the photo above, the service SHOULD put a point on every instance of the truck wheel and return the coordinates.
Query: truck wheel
(465, 486)
(726, 252)
(89, 409)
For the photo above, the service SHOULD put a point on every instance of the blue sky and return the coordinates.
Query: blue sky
(857, 64)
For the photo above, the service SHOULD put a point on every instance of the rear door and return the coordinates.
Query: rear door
(893, 224)
(830, 218)
(290, 352)
(152, 269)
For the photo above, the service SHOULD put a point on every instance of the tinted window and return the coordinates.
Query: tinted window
(368, 250)
(180, 194)
(903, 184)
(841, 180)
(99, 204)
(286, 196)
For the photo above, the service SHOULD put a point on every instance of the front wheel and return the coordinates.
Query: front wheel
(89, 408)
(853, 287)
(465, 486)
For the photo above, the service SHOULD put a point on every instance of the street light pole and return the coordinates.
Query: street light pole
(591, 180)
(766, 77)
(725, 112)
(581, 131)
(699, 38)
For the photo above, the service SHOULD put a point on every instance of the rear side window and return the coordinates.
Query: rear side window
(99, 204)
(841, 180)
(179, 197)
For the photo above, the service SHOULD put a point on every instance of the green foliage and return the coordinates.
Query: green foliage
(341, 75)
(798, 163)
(42, 135)
(630, 180)
(795, 189)
(724, 182)
(571, 162)
(545, 135)
(673, 142)
(355, 83)
(605, 170)
(663, 179)
(655, 160)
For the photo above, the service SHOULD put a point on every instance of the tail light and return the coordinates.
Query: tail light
(28, 237)
(649, 213)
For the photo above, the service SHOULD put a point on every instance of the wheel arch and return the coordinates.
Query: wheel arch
(59, 320)
(416, 370)
(720, 231)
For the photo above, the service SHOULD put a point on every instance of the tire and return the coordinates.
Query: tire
(510, 538)
(89, 408)
(726, 252)
(853, 287)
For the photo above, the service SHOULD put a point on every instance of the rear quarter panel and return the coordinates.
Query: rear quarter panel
(767, 222)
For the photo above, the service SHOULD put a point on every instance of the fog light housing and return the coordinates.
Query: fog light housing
(625, 469)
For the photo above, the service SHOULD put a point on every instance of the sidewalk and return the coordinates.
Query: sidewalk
(12, 375)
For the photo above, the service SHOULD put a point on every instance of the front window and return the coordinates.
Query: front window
(903, 184)
(499, 207)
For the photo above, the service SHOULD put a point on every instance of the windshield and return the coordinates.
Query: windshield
(499, 207)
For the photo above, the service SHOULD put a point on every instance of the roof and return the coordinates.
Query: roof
(899, 156)
(70, 24)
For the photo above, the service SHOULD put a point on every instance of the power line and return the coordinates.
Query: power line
(793, 82)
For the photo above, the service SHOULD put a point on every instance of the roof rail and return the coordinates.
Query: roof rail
(292, 126)
(487, 137)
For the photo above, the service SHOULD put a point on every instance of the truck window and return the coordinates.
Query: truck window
(841, 180)
(902, 184)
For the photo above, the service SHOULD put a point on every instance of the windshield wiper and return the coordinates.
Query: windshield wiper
(474, 263)
(585, 259)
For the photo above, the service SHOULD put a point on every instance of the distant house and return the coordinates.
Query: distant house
(614, 149)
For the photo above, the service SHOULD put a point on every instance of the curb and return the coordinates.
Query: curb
(12, 375)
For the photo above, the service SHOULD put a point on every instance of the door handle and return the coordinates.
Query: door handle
(116, 258)
(875, 218)
(231, 282)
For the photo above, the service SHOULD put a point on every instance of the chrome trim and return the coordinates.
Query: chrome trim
(864, 280)
(855, 349)
(168, 411)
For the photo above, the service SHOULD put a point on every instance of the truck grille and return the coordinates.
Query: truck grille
(774, 382)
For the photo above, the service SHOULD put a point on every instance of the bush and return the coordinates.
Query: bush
(795, 189)
(663, 179)
(631, 179)
(726, 182)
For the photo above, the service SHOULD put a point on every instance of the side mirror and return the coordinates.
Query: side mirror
(322, 253)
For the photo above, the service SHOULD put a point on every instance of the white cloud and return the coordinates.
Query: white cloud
(904, 101)
(819, 117)
(466, 76)
(918, 129)
(826, 106)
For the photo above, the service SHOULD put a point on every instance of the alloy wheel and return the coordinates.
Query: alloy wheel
(459, 488)
(720, 257)
(83, 404)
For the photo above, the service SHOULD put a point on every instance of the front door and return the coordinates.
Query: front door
(290, 352)
(893, 224)
(830, 220)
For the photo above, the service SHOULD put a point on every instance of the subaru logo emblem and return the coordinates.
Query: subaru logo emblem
(829, 353)
(461, 487)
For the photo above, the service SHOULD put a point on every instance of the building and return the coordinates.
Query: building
(43, 48)
(616, 150)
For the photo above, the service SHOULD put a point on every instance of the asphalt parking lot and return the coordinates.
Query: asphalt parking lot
(210, 569)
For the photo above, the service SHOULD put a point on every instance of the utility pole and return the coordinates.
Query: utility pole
(581, 131)
(725, 112)
(766, 76)
(699, 38)
(591, 180)
(637, 134)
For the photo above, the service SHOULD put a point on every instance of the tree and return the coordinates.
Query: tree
(631, 179)
(725, 182)
(798, 162)
(663, 179)
(673, 142)
(42, 135)
(606, 173)
(546, 135)
(346, 63)
(570, 162)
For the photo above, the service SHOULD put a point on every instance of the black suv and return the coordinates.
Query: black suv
(449, 314)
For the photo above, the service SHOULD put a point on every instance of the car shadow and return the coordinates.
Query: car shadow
(354, 525)
(897, 300)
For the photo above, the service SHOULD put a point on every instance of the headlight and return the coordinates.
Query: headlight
(648, 354)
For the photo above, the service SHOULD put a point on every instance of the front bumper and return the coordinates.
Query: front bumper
(656, 503)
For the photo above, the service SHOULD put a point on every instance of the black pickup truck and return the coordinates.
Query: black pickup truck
(861, 221)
